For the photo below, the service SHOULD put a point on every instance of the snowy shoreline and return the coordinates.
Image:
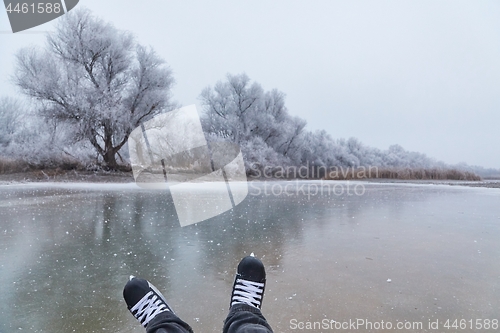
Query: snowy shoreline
(66, 177)
(124, 178)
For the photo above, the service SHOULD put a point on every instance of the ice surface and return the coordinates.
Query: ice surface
(74, 246)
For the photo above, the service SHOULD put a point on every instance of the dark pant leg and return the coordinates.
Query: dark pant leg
(244, 318)
(168, 322)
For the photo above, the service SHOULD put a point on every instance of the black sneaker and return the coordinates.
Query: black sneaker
(143, 300)
(249, 283)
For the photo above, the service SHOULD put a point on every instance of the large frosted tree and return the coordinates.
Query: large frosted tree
(96, 80)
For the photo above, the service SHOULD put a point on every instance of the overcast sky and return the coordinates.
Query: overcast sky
(422, 74)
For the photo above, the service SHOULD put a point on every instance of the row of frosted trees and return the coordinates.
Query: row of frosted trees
(241, 111)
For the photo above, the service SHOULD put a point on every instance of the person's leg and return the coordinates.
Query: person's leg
(246, 299)
(150, 308)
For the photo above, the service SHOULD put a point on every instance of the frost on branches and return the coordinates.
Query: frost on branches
(96, 80)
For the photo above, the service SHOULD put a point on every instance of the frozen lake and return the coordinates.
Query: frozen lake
(382, 252)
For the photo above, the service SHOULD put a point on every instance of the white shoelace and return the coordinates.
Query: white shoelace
(148, 307)
(248, 292)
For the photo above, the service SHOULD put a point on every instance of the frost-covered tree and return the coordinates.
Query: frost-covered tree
(96, 80)
(242, 112)
(10, 115)
(231, 106)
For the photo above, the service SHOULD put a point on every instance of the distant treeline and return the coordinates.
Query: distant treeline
(235, 110)
(272, 141)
